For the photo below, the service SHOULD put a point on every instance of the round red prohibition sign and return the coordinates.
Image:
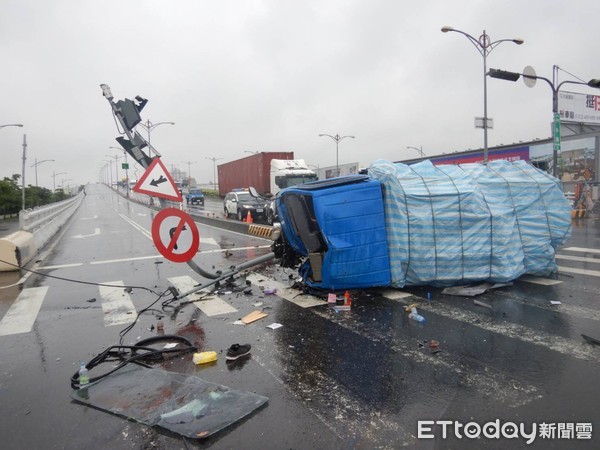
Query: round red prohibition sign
(175, 235)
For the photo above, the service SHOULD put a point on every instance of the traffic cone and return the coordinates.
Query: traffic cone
(248, 217)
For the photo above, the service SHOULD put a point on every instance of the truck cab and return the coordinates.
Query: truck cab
(289, 172)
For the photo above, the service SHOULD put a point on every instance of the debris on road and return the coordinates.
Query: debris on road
(253, 317)
(204, 357)
(181, 403)
(485, 305)
(473, 290)
(590, 339)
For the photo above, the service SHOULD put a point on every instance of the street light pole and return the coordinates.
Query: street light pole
(214, 160)
(37, 163)
(126, 169)
(116, 157)
(420, 150)
(149, 126)
(189, 171)
(484, 46)
(337, 138)
(54, 175)
(23, 175)
(514, 76)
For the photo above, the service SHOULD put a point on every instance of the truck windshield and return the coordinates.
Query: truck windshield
(294, 180)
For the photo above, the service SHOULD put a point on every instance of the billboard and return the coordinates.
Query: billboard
(333, 171)
(576, 107)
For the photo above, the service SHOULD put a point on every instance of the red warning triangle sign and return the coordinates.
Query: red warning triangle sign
(157, 182)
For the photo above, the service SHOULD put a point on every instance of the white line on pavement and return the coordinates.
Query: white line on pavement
(22, 313)
(116, 304)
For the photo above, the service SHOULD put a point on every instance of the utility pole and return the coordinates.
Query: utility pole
(23, 172)
(214, 160)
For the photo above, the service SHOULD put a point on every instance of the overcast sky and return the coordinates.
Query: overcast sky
(271, 75)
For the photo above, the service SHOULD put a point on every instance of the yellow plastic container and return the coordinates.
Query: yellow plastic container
(204, 357)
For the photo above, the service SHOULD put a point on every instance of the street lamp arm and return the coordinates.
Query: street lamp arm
(473, 41)
(420, 150)
(517, 41)
(149, 126)
(39, 162)
(12, 125)
(332, 137)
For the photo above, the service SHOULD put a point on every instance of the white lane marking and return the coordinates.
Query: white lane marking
(139, 258)
(211, 306)
(60, 266)
(83, 236)
(593, 273)
(516, 331)
(89, 218)
(581, 249)
(539, 280)
(208, 241)
(283, 291)
(22, 313)
(116, 304)
(233, 249)
(136, 258)
(578, 258)
(136, 226)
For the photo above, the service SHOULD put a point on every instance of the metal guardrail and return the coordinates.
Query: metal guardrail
(44, 221)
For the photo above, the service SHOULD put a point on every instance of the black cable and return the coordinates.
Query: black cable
(78, 281)
(138, 352)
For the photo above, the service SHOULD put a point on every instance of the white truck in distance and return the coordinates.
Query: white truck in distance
(289, 172)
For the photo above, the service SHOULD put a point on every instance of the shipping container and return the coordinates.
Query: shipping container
(253, 170)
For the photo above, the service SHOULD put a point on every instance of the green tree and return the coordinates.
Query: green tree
(10, 195)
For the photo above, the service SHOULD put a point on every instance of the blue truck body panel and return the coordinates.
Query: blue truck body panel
(340, 225)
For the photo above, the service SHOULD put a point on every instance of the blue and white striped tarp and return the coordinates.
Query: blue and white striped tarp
(450, 224)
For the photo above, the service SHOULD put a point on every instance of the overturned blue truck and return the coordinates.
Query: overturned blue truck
(422, 224)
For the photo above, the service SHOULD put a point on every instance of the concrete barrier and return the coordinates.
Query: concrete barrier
(16, 249)
(38, 226)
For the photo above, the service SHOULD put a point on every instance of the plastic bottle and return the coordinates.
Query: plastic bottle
(204, 357)
(84, 375)
(414, 315)
(347, 299)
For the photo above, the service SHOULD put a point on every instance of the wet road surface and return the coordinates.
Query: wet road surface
(351, 379)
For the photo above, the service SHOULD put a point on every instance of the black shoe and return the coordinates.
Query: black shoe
(237, 350)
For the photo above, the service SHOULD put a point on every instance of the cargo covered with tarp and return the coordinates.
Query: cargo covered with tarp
(450, 224)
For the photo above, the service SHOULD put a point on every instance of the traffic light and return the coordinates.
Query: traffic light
(130, 111)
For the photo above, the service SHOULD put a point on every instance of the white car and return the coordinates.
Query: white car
(239, 203)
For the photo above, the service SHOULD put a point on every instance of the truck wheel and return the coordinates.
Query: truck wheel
(226, 213)
(240, 217)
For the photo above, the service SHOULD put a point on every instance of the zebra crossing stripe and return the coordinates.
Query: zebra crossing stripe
(22, 313)
(593, 273)
(116, 304)
(212, 306)
(581, 249)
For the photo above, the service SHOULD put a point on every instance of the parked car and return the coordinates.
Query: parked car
(239, 203)
(194, 196)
